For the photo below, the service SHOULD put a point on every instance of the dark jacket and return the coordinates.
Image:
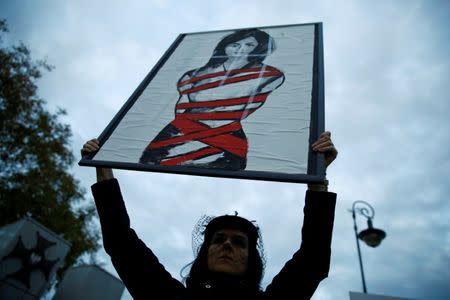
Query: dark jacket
(146, 278)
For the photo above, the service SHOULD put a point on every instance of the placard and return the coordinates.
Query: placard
(242, 103)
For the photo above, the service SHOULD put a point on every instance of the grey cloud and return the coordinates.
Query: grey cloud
(387, 72)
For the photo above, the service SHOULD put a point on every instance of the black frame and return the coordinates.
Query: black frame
(316, 161)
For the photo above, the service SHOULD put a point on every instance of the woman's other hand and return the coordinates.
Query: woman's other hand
(325, 145)
(92, 146)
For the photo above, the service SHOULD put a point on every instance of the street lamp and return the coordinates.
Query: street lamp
(371, 236)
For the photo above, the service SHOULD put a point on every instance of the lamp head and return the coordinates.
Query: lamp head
(372, 236)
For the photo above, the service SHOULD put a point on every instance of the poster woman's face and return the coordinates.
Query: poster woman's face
(242, 47)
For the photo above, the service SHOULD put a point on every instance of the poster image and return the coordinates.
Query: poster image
(242, 103)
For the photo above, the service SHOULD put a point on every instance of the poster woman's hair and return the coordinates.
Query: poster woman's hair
(266, 45)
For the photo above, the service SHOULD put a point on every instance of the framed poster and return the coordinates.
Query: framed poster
(242, 103)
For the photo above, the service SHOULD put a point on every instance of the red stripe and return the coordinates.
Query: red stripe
(223, 102)
(180, 159)
(229, 143)
(234, 115)
(222, 140)
(193, 131)
(216, 137)
(228, 81)
(187, 126)
(222, 73)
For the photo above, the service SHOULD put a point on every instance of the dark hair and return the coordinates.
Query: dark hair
(266, 45)
(199, 269)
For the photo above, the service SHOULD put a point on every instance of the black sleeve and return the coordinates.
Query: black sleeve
(135, 263)
(302, 274)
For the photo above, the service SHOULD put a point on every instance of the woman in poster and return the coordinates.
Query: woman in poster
(214, 98)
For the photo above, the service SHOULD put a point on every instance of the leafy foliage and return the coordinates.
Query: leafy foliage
(35, 156)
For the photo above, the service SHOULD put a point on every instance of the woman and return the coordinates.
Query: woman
(229, 263)
(234, 83)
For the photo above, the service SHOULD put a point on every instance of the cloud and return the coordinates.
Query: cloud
(387, 72)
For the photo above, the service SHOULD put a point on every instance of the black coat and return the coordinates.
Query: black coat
(146, 278)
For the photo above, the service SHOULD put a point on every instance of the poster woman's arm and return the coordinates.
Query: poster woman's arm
(182, 86)
(267, 85)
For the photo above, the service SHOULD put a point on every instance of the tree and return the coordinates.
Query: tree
(35, 157)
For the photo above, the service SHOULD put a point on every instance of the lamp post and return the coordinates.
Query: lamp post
(371, 236)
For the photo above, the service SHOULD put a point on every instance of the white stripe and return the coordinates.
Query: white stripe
(185, 148)
(206, 159)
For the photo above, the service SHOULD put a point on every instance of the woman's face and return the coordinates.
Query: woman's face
(228, 252)
(242, 47)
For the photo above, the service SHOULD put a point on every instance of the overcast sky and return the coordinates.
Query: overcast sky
(387, 81)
